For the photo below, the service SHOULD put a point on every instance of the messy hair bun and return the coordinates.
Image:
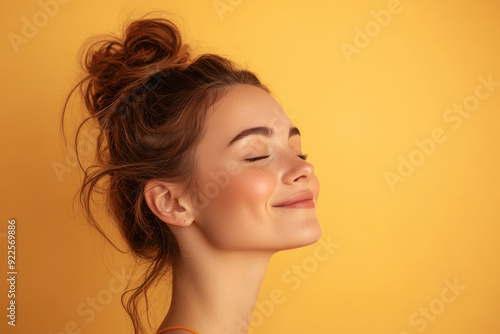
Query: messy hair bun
(149, 99)
(117, 68)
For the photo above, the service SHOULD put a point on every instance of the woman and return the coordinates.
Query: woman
(206, 178)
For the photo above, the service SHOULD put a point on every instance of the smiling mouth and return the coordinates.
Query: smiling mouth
(305, 204)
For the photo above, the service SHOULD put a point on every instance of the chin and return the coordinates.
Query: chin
(312, 235)
(308, 236)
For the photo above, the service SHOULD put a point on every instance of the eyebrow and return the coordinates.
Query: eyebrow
(262, 130)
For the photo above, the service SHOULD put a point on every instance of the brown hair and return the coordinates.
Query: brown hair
(149, 99)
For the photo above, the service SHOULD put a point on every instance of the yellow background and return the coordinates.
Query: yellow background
(395, 249)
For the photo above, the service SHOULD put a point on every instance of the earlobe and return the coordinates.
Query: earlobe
(161, 199)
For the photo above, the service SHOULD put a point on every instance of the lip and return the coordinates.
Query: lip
(303, 199)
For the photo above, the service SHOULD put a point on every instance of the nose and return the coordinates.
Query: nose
(297, 169)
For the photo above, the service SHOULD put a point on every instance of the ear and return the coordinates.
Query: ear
(161, 197)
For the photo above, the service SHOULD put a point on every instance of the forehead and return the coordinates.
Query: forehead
(240, 108)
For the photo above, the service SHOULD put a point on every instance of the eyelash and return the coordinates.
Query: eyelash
(302, 156)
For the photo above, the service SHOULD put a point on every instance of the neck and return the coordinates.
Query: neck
(217, 292)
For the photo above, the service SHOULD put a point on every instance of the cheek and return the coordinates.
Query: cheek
(239, 207)
(250, 189)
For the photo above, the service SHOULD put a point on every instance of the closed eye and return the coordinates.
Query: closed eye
(258, 158)
(302, 156)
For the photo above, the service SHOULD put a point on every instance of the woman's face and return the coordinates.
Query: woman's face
(237, 197)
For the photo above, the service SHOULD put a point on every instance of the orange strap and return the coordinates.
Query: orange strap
(176, 327)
